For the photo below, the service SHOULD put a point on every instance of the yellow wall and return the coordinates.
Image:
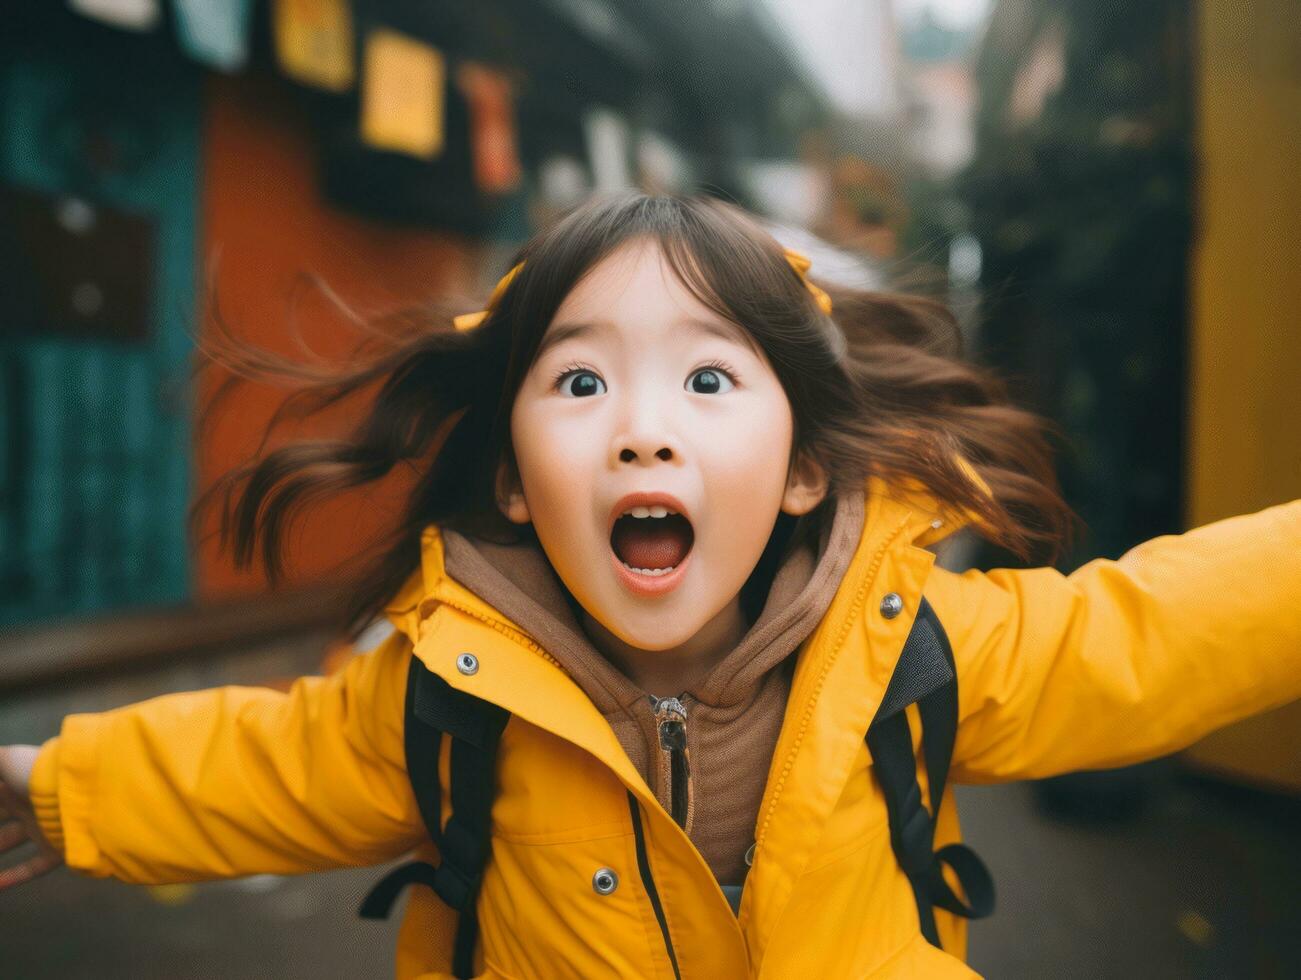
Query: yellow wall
(1245, 381)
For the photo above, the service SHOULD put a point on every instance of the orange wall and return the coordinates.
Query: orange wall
(261, 210)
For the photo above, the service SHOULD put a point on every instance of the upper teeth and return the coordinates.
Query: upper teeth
(653, 511)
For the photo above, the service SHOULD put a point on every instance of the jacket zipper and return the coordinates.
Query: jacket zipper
(675, 759)
(670, 720)
(648, 882)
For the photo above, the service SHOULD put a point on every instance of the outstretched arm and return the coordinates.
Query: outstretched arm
(236, 780)
(1124, 660)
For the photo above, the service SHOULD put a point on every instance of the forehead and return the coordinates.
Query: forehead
(635, 292)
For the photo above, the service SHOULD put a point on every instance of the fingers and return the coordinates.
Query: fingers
(11, 804)
(32, 868)
(17, 826)
(12, 834)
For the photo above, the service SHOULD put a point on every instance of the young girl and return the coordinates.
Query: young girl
(665, 483)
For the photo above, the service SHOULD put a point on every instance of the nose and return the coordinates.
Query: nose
(645, 436)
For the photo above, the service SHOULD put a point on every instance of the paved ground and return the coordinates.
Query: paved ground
(1203, 883)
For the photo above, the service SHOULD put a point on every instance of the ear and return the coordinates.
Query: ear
(806, 485)
(510, 493)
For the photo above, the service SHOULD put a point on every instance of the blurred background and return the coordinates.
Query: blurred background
(1104, 193)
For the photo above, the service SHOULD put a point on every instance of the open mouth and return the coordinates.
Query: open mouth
(651, 540)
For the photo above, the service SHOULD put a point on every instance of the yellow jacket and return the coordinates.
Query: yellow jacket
(1116, 662)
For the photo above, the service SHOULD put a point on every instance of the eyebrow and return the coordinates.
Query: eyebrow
(561, 332)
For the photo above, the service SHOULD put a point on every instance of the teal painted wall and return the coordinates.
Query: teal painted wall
(95, 432)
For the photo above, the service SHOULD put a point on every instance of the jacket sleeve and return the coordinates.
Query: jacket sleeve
(234, 780)
(1128, 659)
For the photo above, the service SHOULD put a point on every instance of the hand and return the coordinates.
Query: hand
(18, 820)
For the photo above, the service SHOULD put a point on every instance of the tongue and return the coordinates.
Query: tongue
(651, 542)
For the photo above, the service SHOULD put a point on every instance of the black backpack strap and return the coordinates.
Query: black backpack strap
(434, 707)
(926, 676)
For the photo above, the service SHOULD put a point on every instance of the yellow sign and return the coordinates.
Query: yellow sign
(402, 95)
(313, 40)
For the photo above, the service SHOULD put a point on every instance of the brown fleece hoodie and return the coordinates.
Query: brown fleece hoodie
(733, 716)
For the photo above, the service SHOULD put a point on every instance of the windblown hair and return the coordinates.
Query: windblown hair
(882, 390)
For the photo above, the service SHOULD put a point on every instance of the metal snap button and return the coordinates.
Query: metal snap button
(604, 881)
(937, 523)
(891, 605)
(467, 663)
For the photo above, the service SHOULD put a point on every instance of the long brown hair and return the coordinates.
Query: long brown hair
(882, 390)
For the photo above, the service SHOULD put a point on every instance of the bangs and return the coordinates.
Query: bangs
(729, 262)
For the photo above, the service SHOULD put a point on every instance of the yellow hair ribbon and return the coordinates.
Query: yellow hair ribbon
(468, 321)
(799, 262)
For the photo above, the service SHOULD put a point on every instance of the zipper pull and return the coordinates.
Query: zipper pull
(671, 718)
(671, 722)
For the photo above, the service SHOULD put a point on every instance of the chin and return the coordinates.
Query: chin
(652, 636)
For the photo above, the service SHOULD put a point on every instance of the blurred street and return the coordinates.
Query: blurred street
(1205, 883)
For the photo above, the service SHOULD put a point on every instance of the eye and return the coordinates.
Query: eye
(712, 379)
(586, 381)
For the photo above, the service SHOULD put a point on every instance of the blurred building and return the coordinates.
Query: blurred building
(941, 90)
(836, 184)
(901, 84)
(300, 163)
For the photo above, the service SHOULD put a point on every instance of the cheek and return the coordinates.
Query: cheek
(553, 461)
(749, 453)
(745, 479)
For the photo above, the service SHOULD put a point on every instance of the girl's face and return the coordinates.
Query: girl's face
(639, 388)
